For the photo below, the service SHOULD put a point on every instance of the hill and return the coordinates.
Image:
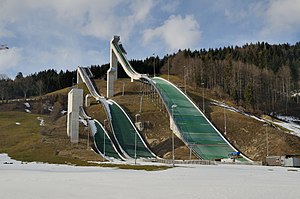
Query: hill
(245, 133)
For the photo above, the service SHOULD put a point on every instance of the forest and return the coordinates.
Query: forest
(257, 77)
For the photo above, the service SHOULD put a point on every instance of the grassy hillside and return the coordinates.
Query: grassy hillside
(31, 142)
(28, 141)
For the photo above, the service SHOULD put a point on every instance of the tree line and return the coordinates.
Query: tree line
(257, 76)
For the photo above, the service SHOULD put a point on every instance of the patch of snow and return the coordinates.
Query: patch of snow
(18, 123)
(63, 112)
(92, 127)
(84, 122)
(27, 105)
(50, 108)
(27, 110)
(292, 127)
(42, 121)
(288, 118)
(47, 181)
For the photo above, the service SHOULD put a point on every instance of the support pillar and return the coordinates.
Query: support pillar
(75, 100)
(112, 73)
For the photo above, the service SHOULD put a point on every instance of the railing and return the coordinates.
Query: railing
(167, 161)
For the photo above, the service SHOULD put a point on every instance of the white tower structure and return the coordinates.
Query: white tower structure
(75, 100)
(112, 73)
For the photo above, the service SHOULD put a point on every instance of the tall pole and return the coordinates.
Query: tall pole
(123, 88)
(190, 152)
(154, 64)
(173, 147)
(203, 105)
(134, 147)
(168, 69)
(104, 136)
(267, 140)
(286, 102)
(184, 76)
(141, 103)
(224, 121)
(88, 136)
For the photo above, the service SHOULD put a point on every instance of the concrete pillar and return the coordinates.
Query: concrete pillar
(88, 100)
(112, 73)
(75, 100)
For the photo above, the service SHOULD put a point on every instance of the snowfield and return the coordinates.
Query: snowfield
(36, 180)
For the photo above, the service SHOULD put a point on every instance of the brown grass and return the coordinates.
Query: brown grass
(30, 142)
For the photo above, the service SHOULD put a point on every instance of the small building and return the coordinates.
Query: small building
(275, 160)
(285, 161)
(292, 161)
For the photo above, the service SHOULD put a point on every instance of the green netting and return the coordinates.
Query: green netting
(193, 126)
(105, 148)
(125, 133)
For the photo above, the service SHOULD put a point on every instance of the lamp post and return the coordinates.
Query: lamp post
(168, 69)
(184, 76)
(88, 136)
(190, 146)
(225, 122)
(267, 139)
(123, 86)
(173, 148)
(105, 121)
(203, 105)
(141, 103)
(154, 64)
(134, 146)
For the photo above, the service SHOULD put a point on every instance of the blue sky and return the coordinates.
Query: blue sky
(63, 34)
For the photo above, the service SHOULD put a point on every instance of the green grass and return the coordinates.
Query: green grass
(135, 167)
(25, 143)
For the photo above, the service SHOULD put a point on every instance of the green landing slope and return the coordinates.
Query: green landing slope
(104, 144)
(126, 134)
(204, 139)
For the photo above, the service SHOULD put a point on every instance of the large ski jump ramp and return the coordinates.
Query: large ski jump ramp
(128, 142)
(194, 128)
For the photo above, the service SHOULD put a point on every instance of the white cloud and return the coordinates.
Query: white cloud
(282, 17)
(64, 33)
(10, 59)
(177, 32)
(141, 9)
(170, 6)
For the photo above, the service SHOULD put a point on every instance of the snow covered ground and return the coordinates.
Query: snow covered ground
(33, 180)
